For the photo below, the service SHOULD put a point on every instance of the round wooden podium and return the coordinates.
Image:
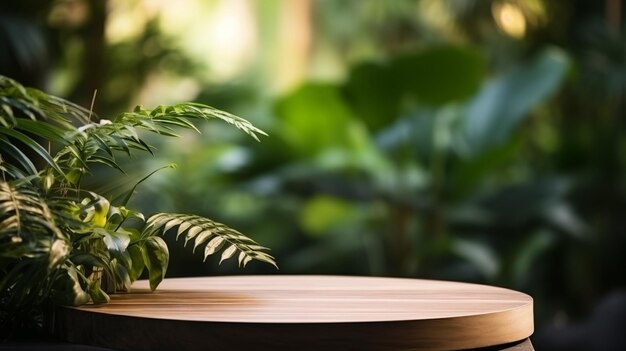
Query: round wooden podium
(304, 313)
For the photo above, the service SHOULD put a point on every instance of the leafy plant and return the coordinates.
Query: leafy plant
(65, 243)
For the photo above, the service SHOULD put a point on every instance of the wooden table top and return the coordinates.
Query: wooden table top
(314, 312)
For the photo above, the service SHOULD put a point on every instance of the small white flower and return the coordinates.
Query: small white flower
(85, 127)
(103, 122)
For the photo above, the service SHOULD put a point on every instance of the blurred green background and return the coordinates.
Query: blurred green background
(480, 140)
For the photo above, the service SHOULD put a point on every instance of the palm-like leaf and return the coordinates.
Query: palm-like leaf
(213, 235)
(26, 113)
(17, 101)
(98, 142)
(163, 118)
(32, 248)
(25, 219)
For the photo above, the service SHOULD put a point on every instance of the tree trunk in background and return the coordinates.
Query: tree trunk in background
(614, 14)
(93, 59)
(295, 42)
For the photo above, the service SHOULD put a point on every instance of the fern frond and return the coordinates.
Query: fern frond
(24, 218)
(26, 113)
(162, 118)
(213, 235)
(17, 101)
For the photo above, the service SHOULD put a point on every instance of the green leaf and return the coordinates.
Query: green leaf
(114, 241)
(45, 130)
(87, 259)
(505, 101)
(18, 156)
(219, 234)
(156, 258)
(67, 289)
(313, 118)
(106, 161)
(374, 94)
(30, 143)
(96, 211)
(98, 296)
(440, 75)
(123, 257)
(100, 140)
(122, 277)
(59, 251)
(137, 261)
(322, 213)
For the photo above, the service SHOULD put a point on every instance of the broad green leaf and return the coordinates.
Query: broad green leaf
(59, 251)
(122, 278)
(156, 257)
(374, 94)
(123, 257)
(322, 213)
(114, 241)
(505, 101)
(314, 117)
(440, 75)
(137, 259)
(96, 210)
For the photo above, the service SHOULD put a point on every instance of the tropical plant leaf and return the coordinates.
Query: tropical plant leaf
(98, 295)
(122, 277)
(18, 155)
(33, 145)
(502, 104)
(216, 235)
(137, 261)
(59, 252)
(115, 241)
(160, 118)
(156, 258)
(55, 234)
(68, 290)
(17, 100)
(26, 219)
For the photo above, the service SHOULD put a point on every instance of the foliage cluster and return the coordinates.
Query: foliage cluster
(64, 243)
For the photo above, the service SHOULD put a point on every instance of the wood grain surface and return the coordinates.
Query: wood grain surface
(302, 313)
